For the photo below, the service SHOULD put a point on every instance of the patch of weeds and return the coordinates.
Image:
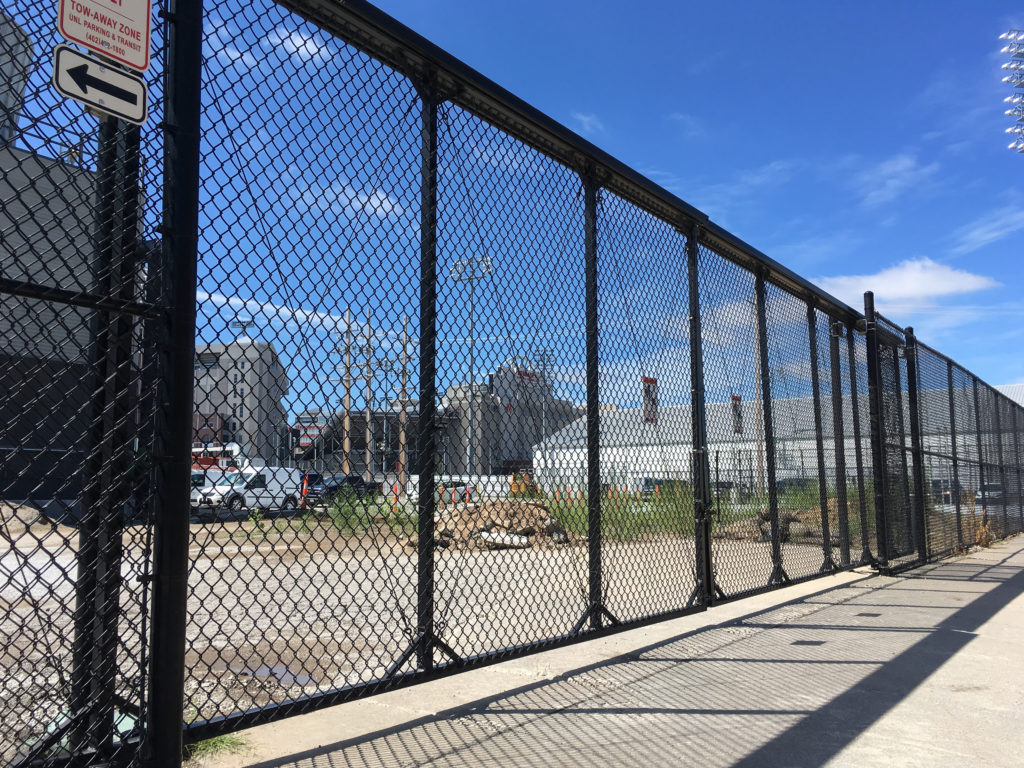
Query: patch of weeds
(256, 518)
(216, 745)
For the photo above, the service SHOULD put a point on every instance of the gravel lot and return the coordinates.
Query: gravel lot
(279, 610)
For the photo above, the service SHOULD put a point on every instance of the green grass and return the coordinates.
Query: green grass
(217, 745)
(352, 513)
(626, 518)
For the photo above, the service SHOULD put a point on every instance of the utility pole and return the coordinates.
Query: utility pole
(470, 270)
(346, 406)
(368, 374)
(403, 399)
(544, 358)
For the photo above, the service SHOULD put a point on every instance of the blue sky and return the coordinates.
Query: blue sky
(862, 145)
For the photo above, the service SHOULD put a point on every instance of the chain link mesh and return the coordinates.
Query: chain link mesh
(80, 392)
(415, 444)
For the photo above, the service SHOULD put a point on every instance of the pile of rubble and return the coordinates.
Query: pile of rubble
(507, 524)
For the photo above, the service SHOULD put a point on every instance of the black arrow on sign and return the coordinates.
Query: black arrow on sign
(84, 80)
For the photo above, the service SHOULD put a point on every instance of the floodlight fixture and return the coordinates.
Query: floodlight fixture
(1015, 66)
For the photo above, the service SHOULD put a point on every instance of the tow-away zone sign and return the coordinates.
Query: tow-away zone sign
(117, 29)
(90, 81)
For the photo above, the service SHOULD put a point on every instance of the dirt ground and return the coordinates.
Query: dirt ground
(286, 608)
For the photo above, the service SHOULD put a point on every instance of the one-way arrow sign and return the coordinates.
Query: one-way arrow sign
(90, 81)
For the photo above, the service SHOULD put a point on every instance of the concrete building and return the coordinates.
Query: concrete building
(633, 450)
(325, 443)
(239, 388)
(47, 224)
(514, 411)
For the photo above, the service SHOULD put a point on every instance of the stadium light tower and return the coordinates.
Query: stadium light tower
(1014, 48)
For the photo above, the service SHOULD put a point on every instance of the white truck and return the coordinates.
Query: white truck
(254, 487)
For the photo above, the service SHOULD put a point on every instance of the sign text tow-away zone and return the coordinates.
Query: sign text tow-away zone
(117, 29)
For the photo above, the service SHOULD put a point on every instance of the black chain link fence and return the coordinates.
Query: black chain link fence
(463, 388)
(82, 295)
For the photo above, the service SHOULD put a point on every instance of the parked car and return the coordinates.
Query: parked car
(206, 477)
(339, 485)
(944, 491)
(254, 487)
(992, 493)
(649, 486)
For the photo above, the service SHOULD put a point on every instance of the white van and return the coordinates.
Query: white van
(253, 487)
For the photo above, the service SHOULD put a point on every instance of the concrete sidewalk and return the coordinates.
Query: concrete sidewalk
(923, 669)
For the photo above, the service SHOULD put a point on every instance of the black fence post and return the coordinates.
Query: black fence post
(1017, 466)
(90, 707)
(778, 574)
(878, 466)
(999, 459)
(839, 436)
(981, 452)
(954, 491)
(705, 589)
(828, 564)
(901, 428)
(919, 526)
(865, 553)
(183, 87)
(590, 192)
(427, 385)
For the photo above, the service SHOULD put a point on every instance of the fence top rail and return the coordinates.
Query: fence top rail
(380, 36)
(981, 382)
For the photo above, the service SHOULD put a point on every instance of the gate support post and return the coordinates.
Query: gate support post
(838, 433)
(427, 387)
(981, 451)
(1016, 466)
(954, 491)
(180, 245)
(999, 460)
(914, 407)
(778, 574)
(827, 564)
(596, 610)
(865, 553)
(878, 468)
(705, 590)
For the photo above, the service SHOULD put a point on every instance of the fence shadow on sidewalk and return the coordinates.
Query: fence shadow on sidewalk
(794, 684)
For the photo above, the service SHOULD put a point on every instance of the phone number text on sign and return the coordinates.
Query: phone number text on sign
(117, 29)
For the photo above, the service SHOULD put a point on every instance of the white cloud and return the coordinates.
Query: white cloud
(886, 181)
(988, 229)
(306, 47)
(224, 39)
(341, 197)
(274, 312)
(910, 290)
(910, 280)
(589, 124)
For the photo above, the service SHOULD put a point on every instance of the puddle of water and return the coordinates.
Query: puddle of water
(280, 673)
